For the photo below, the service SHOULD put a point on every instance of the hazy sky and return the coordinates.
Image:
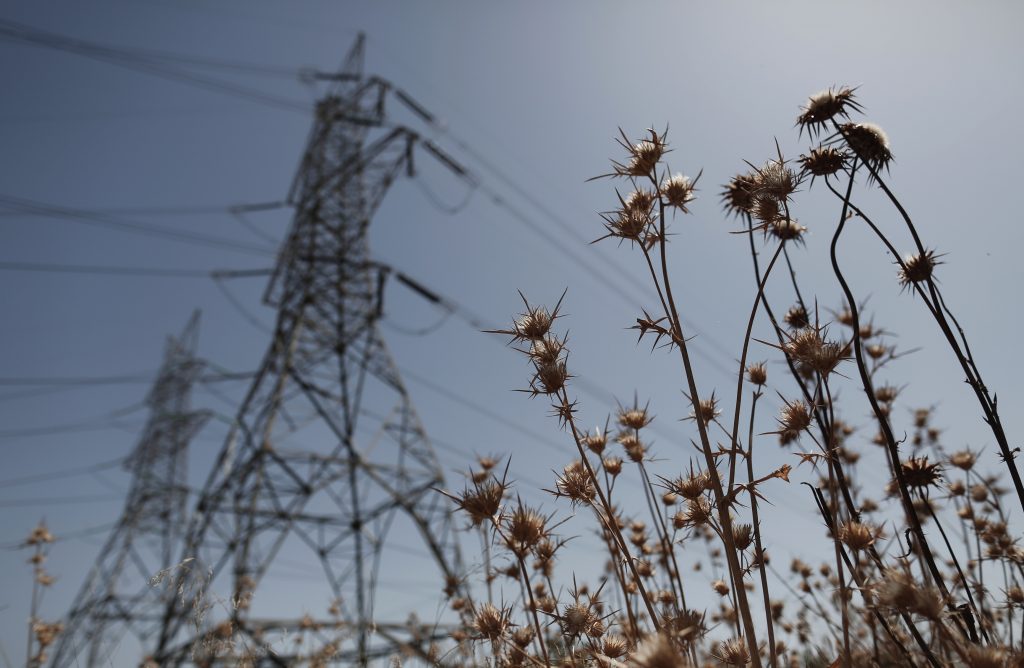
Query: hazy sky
(532, 95)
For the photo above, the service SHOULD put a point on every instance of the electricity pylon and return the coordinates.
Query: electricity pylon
(327, 454)
(116, 599)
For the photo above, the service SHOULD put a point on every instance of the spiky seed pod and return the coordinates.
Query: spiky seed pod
(522, 636)
(634, 418)
(807, 347)
(533, 325)
(920, 474)
(776, 181)
(796, 317)
(526, 528)
(576, 484)
(898, 590)
(737, 195)
(481, 502)
(491, 622)
(964, 459)
(742, 535)
(786, 229)
(641, 201)
(886, 394)
(613, 465)
(614, 646)
(766, 210)
(732, 652)
(720, 587)
(577, 619)
(678, 191)
(634, 448)
(794, 418)
(823, 161)
(596, 442)
(39, 535)
(658, 651)
(857, 536)
(697, 513)
(869, 142)
(692, 486)
(708, 410)
(669, 498)
(645, 155)
(757, 373)
(918, 268)
(549, 378)
(877, 351)
(547, 350)
(826, 105)
(627, 224)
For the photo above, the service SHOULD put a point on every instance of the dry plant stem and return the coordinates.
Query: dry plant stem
(891, 446)
(533, 611)
(830, 523)
(772, 653)
(720, 501)
(743, 366)
(843, 599)
(956, 564)
(675, 579)
(606, 515)
(34, 605)
(963, 356)
(822, 420)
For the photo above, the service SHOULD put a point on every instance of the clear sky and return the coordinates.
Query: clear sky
(531, 95)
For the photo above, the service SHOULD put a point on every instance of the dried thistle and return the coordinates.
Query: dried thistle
(826, 105)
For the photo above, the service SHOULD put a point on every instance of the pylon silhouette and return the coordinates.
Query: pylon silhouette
(326, 454)
(116, 598)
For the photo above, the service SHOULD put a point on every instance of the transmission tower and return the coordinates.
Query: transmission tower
(327, 456)
(116, 598)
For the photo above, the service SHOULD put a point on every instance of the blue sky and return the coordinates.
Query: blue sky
(531, 95)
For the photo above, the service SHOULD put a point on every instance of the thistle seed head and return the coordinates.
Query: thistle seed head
(757, 373)
(796, 317)
(634, 417)
(919, 474)
(858, 536)
(868, 142)
(575, 483)
(491, 622)
(823, 161)
(794, 418)
(918, 268)
(964, 459)
(732, 652)
(738, 195)
(596, 442)
(658, 651)
(775, 181)
(786, 229)
(825, 105)
(678, 191)
(526, 528)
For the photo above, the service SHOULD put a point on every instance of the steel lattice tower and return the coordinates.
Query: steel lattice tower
(116, 599)
(327, 453)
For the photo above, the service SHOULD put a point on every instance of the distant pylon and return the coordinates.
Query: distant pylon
(327, 455)
(117, 598)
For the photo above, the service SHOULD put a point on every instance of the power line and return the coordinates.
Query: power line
(47, 268)
(65, 473)
(154, 63)
(101, 220)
